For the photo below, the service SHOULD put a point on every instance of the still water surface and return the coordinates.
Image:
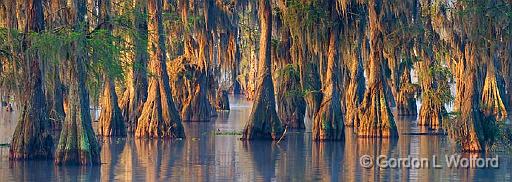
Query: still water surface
(204, 156)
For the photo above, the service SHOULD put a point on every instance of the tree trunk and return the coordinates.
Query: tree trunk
(406, 102)
(55, 100)
(328, 121)
(432, 110)
(264, 122)
(375, 114)
(111, 122)
(136, 94)
(355, 91)
(159, 117)
(290, 100)
(291, 103)
(196, 104)
(77, 143)
(470, 129)
(493, 93)
(222, 100)
(32, 139)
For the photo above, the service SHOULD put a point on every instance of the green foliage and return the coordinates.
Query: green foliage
(103, 51)
(288, 71)
(227, 133)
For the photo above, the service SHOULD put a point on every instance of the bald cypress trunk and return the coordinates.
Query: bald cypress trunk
(355, 90)
(55, 88)
(468, 128)
(159, 117)
(136, 94)
(196, 104)
(222, 101)
(77, 143)
(32, 137)
(328, 121)
(432, 110)
(291, 103)
(374, 113)
(55, 100)
(406, 102)
(111, 122)
(290, 100)
(493, 94)
(264, 122)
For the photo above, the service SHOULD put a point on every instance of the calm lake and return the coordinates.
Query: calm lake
(204, 156)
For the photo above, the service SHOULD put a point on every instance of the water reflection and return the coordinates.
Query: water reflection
(204, 156)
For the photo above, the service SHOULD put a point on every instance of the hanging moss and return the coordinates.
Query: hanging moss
(290, 98)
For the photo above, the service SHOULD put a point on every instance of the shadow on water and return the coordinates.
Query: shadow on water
(204, 156)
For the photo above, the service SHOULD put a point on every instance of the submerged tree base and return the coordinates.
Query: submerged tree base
(111, 122)
(158, 119)
(222, 102)
(376, 117)
(264, 123)
(431, 115)
(31, 141)
(328, 123)
(189, 83)
(77, 157)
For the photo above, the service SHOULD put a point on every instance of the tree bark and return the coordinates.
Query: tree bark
(222, 100)
(356, 88)
(111, 122)
(375, 114)
(328, 121)
(77, 143)
(432, 110)
(55, 99)
(493, 93)
(290, 99)
(32, 139)
(136, 94)
(406, 102)
(264, 122)
(159, 117)
(291, 103)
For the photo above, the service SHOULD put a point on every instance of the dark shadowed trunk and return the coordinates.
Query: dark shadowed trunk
(111, 122)
(432, 110)
(55, 99)
(222, 100)
(77, 143)
(290, 101)
(406, 102)
(32, 137)
(264, 122)
(328, 121)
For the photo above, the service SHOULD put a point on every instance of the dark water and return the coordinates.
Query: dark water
(203, 156)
